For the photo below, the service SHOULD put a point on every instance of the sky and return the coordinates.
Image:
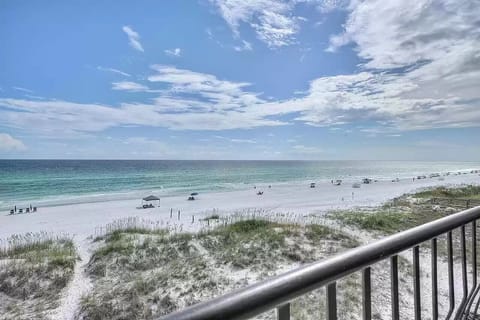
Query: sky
(240, 79)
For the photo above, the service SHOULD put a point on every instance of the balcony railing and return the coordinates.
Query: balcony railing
(279, 291)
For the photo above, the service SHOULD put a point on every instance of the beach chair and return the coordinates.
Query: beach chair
(12, 212)
(27, 210)
(20, 210)
(34, 209)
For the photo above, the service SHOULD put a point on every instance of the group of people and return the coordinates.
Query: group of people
(21, 210)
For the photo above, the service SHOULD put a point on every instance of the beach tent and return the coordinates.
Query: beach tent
(150, 199)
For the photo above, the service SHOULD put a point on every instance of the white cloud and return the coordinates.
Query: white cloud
(199, 101)
(145, 143)
(23, 89)
(113, 70)
(272, 20)
(433, 51)
(9, 143)
(243, 141)
(236, 140)
(391, 34)
(246, 46)
(330, 5)
(222, 101)
(306, 150)
(433, 43)
(381, 97)
(129, 86)
(177, 52)
(133, 38)
(212, 94)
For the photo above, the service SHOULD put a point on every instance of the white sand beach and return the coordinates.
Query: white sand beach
(81, 220)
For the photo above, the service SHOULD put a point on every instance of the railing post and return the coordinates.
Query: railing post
(434, 280)
(475, 288)
(461, 307)
(394, 285)
(451, 287)
(416, 283)
(367, 294)
(474, 252)
(332, 301)
(283, 312)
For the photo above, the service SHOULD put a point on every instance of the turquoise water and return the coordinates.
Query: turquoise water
(54, 182)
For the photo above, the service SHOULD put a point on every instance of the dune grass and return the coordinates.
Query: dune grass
(403, 214)
(384, 221)
(144, 275)
(34, 268)
(464, 192)
(211, 217)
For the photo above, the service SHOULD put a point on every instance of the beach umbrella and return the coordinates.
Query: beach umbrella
(151, 198)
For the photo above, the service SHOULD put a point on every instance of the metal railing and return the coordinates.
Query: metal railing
(278, 291)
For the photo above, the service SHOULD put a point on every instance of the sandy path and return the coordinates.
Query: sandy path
(78, 286)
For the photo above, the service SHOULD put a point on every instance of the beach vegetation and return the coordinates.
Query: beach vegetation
(212, 217)
(34, 268)
(405, 212)
(467, 191)
(381, 220)
(131, 225)
(145, 275)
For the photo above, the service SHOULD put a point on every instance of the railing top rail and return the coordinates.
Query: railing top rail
(265, 295)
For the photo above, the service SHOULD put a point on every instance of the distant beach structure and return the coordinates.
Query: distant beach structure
(148, 202)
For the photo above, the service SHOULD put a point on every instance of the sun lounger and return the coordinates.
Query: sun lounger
(34, 209)
(12, 211)
(20, 210)
(27, 210)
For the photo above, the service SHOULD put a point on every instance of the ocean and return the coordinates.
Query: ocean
(57, 182)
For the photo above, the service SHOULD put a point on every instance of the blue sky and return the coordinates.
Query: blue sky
(240, 79)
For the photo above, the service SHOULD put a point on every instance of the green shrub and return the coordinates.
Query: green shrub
(444, 192)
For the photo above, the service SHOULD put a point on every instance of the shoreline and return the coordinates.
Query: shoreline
(81, 220)
(132, 194)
